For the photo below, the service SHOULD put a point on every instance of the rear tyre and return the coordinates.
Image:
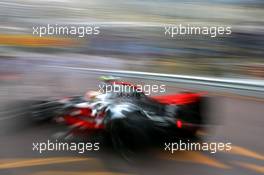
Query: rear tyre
(128, 138)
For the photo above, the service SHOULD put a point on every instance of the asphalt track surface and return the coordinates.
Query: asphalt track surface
(239, 121)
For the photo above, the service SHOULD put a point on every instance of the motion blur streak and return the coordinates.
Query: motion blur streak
(256, 168)
(197, 158)
(40, 161)
(245, 152)
(33, 41)
(78, 173)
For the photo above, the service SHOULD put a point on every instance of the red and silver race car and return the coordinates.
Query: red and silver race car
(130, 119)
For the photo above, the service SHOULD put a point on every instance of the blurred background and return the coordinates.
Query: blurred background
(132, 38)
(132, 32)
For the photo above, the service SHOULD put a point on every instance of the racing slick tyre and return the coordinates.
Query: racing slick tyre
(129, 137)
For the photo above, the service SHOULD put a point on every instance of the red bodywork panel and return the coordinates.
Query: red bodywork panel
(178, 99)
(73, 120)
(84, 119)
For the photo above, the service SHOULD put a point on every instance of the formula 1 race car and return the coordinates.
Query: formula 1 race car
(131, 119)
